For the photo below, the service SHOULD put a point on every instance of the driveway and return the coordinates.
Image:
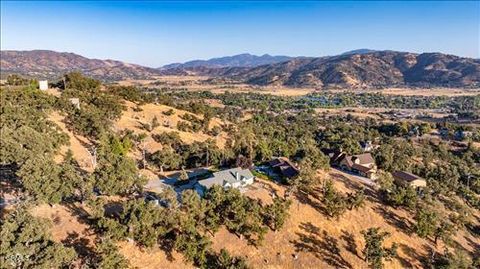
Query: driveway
(365, 180)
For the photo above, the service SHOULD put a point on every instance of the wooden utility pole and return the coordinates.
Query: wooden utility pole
(93, 157)
(207, 157)
(143, 154)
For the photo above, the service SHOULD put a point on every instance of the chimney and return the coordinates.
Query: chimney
(237, 176)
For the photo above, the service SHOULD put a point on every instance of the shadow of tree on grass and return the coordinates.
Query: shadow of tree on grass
(321, 245)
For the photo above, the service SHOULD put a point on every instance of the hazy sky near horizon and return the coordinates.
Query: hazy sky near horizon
(157, 33)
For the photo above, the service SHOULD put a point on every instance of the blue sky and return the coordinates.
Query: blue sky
(156, 33)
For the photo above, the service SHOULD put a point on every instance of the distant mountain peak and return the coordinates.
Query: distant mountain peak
(239, 60)
(358, 51)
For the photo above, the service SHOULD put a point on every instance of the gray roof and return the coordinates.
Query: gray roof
(226, 176)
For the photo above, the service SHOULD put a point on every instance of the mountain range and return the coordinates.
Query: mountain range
(359, 68)
(240, 60)
(374, 69)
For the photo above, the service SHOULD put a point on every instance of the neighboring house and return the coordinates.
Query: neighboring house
(231, 178)
(284, 167)
(408, 179)
(362, 164)
(43, 85)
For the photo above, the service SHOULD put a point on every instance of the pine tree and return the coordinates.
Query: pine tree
(277, 213)
(334, 203)
(46, 180)
(444, 231)
(356, 200)
(426, 222)
(108, 256)
(374, 250)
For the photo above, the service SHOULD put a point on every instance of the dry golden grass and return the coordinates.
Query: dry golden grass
(320, 242)
(308, 239)
(78, 144)
(65, 223)
(133, 120)
(197, 83)
(278, 91)
(54, 91)
(431, 92)
(154, 258)
(167, 80)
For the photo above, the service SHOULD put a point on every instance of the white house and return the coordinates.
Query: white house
(231, 178)
(43, 85)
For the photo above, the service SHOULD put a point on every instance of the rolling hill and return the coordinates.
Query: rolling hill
(51, 64)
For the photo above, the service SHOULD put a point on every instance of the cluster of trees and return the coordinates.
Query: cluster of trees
(430, 223)
(27, 243)
(447, 171)
(130, 93)
(30, 141)
(351, 99)
(185, 226)
(17, 80)
(115, 172)
(99, 108)
(193, 123)
(175, 154)
(335, 203)
(374, 251)
(26, 130)
(267, 135)
(267, 102)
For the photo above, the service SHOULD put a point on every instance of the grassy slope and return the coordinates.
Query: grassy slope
(317, 241)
